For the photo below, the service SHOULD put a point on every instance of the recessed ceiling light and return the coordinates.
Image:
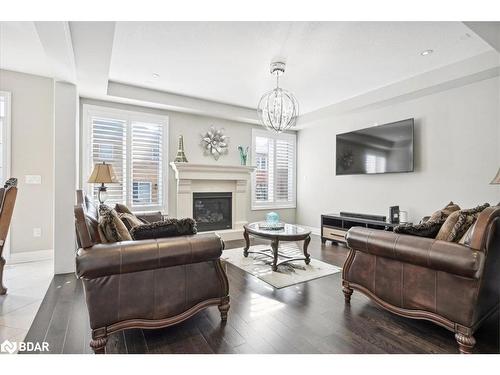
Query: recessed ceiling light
(426, 52)
(156, 75)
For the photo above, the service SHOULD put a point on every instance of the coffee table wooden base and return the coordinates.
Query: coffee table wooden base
(274, 251)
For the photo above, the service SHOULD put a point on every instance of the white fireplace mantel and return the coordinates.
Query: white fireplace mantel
(188, 171)
(194, 178)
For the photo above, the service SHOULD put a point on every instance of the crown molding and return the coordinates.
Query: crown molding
(477, 68)
(180, 103)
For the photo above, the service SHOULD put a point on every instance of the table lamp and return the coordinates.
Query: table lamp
(102, 174)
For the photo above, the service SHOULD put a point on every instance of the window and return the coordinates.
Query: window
(273, 182)
(135, 144)
(141, 193)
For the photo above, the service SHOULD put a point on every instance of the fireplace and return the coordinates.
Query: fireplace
(213, 211)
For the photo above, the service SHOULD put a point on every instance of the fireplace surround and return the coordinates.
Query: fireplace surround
(214, 178)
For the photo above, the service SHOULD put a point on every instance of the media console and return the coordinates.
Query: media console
(335, 226)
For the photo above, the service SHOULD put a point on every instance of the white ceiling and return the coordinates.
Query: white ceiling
(326, 61)
(21, 50)
(228, 62)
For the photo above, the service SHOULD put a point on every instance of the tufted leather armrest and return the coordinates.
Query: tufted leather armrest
(426, 252)
(133, 256)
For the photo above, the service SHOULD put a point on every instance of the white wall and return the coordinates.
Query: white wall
(457, 153)
(191, 127)
(65, 174)
(32, 154)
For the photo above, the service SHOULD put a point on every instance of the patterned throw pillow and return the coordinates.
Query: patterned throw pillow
(427, 229)
(111, 228)
(130, 220)
(430, 227)
(167, 228)
(445, 212)
(122, 209)
(467, 237)
(447, 227)
(465, 220)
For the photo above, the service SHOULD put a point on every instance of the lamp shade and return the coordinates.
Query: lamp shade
(496, 179)
(103, 174)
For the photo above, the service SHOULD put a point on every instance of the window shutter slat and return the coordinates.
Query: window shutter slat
(109, 145)
(146, 159)
(274, 177)
(135, 149)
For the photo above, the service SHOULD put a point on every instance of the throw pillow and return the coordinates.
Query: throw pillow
(429, 226)
(445, 212)
(427, 229)
(161, 229)
(130, 220)
(122, 209)
(465, 220)
(467, 237)
(111, 228)
(448, 225)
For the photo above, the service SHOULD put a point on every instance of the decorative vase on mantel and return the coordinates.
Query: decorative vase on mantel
(243, 155)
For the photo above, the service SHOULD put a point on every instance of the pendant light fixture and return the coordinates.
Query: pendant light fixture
(278, 109)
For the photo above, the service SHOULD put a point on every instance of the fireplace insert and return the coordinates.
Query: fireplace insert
(212, 211)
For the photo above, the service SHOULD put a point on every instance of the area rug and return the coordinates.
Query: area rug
(292, 273)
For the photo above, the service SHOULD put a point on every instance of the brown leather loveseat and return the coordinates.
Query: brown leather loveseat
(145, 284)
(450, 284)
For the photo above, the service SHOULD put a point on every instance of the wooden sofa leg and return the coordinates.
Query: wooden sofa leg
(99, 341)
(99, 345)
(465, 343)
(224, 308)
(347, 293)
(3, 290)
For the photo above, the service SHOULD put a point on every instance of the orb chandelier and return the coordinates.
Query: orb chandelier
(278, 109)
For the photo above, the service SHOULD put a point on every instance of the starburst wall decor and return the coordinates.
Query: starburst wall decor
(214, 142)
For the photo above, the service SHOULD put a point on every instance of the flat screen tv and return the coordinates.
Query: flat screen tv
(380, 149)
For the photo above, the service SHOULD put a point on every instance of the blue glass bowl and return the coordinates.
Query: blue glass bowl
(272, 218)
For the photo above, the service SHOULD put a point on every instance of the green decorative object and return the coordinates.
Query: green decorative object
(243, 155)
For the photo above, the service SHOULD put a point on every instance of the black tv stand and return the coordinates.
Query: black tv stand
(335, 226)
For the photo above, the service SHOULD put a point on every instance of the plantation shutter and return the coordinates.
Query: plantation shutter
(133, 144)
(264, 173)
(285, 164)
(146, 165)
(274, 176)
(109, 145)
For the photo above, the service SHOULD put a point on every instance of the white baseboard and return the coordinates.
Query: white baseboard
(30, 256)
(314, 230)
(228, 234)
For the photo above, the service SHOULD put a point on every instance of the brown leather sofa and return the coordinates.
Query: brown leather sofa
(450, 284)
(145, 284)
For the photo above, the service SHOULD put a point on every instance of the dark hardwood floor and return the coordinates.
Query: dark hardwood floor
(305, 318)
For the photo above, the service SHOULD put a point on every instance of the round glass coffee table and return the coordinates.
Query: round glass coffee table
(290, 232)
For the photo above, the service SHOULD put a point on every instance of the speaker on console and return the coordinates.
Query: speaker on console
(394, 215)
